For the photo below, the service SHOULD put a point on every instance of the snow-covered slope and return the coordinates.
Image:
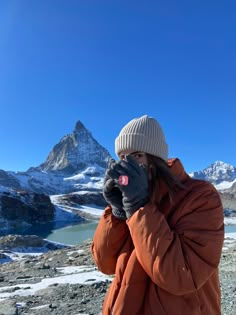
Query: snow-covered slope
(90, 178)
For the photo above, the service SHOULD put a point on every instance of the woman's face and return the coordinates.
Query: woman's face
(140, 157)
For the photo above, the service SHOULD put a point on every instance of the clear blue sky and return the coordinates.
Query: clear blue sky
(106, 62)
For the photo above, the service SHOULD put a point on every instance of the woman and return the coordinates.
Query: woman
(162, 233)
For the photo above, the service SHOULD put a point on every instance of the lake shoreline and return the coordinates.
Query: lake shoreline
(73, 233)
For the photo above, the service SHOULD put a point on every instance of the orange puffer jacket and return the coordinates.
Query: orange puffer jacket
(165, 259)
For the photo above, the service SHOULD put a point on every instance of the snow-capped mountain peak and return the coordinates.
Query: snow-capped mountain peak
(74, 152)
(79, 126)
(77, 162)
(216, 173)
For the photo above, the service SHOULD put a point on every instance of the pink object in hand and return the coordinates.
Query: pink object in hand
(123, 180)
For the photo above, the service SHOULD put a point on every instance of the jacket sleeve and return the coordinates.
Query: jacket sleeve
(108, 239)
(182, 259)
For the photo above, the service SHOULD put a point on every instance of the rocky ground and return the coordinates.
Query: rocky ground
(75, 299)
(228, 277)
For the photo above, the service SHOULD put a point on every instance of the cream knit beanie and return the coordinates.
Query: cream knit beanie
(142, 134)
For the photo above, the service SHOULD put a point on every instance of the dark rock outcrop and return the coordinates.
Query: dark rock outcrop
(26, 206)
(87, 198)
(10, 242)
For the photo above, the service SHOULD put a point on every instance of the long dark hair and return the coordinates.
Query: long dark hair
(160, 171)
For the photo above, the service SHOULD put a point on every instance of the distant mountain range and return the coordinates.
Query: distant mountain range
(77, 164)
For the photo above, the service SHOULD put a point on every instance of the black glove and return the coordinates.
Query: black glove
(112, 194)
(135, 192)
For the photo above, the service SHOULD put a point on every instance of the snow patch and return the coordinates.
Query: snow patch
(224, 185)
(72, 275)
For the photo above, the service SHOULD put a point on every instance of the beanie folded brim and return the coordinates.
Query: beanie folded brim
(142, 134)
(139, 142)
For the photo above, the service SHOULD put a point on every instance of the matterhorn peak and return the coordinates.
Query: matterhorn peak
(79, 126)
(75, 151)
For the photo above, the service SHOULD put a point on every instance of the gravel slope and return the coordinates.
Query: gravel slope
(75, 299)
